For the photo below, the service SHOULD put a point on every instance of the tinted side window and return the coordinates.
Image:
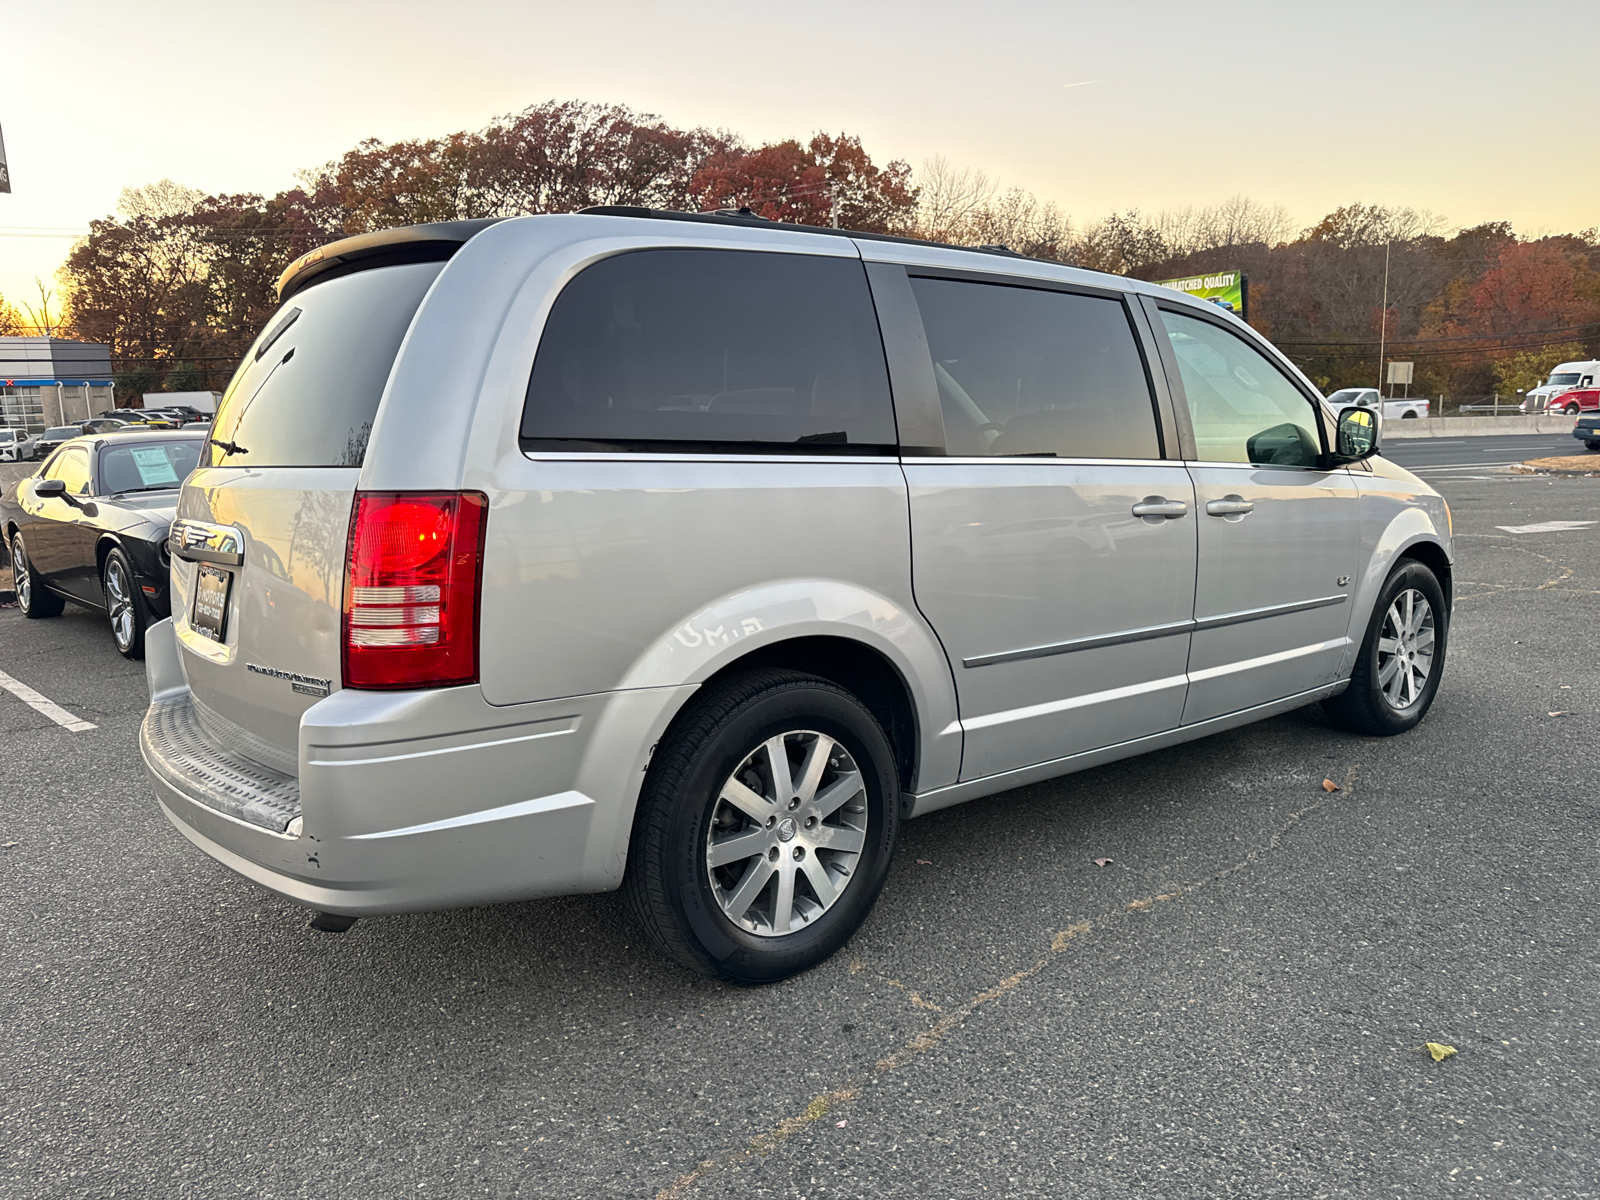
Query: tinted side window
(1243, 408)
(307, 391)
(712, 349)
(1023, 371)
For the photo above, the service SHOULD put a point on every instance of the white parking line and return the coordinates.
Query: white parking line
(1546, 527)
(44, 705)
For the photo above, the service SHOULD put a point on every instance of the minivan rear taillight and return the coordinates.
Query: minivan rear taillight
(411, 589)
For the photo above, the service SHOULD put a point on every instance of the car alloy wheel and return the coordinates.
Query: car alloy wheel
(119, 603)
(787, 833)
(33, 597)
(765, 827)
(1405, 649)
(124, 605)
(21, 573)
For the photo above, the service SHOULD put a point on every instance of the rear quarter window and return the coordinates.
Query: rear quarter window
(712, 350)
(308, 389)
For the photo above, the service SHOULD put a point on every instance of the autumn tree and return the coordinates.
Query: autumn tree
(810, 184)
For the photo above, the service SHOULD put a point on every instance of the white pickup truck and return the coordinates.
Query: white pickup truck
(1408, 409)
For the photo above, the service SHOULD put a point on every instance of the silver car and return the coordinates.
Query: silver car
(691, 554)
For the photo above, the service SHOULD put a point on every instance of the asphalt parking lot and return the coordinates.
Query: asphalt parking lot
(1235, 1005)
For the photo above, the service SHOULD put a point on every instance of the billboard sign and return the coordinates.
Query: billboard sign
(5, 171)
(1225, 289)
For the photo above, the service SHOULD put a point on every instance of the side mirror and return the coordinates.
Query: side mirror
(50, 487)
(1358, 435)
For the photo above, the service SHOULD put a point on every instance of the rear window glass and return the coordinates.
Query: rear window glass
(1027, 372)
(712, 350)
(307, 391)
(148, 467)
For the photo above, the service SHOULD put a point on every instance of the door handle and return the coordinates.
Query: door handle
(1156, 508)
(1229, 506)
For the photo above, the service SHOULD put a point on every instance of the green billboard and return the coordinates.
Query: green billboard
(1225, 289)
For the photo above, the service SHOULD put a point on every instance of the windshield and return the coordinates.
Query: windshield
(148, 466)
(63, 431)
(1563, 379)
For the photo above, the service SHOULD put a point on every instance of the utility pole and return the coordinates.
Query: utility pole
(833, 197)
(1383, 318)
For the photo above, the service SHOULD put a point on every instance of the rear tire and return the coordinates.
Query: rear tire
(771, 882)
(1408, 416)
(1402, 657)
(1592, 445)
(33, 598)
(124, 605)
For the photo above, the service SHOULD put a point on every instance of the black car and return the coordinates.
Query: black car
(53, 437)
(90, 526)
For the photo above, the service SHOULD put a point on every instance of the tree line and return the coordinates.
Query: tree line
(178, 281)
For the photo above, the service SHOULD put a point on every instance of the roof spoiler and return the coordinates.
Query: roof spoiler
(382, 248)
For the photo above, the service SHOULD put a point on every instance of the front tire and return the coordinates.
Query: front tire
(124, 605)
(1571, 410)
(1397, 673)
(33, 598)
(765, 827)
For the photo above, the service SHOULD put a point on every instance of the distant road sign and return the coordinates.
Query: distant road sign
(1400, 372)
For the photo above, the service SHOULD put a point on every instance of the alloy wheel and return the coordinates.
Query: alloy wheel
(1405, 649)
(119, 603)
(20, 573)
(786, 833)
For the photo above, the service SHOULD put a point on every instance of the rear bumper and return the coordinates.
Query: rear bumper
(407, 801)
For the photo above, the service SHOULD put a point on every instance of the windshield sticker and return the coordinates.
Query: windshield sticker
(154, 465)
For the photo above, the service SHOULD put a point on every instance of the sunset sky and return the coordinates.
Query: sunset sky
(1462, 108)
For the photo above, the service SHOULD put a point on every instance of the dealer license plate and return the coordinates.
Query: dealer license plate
(210, 615)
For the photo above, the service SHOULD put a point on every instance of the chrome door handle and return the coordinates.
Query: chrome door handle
(200, 541)
(1153, 508)
(1229, 506)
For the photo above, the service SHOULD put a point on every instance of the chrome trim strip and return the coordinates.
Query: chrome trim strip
(1153, 631)
(200, 541)
(1267, 660)
(1088, 643)
(921, 803)
(523, 808)
(1058, 706)
(1272, 610)
(649, 456)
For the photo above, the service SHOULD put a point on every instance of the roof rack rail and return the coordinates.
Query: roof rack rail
(744, 216)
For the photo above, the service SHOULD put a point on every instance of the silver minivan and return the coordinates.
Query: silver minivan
(691, 554)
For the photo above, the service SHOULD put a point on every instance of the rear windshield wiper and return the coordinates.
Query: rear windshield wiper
(228, 447)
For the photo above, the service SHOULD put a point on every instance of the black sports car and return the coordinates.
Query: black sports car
(90, 525)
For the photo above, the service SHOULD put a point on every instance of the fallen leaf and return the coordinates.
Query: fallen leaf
(838, 1124)
(1140, 905)
(1329, 785)
(1563, 713)
(7, 845)
(1439, 1050)
(1101, 862)
(926, 862)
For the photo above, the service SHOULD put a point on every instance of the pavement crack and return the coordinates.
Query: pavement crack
(763, 1144)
